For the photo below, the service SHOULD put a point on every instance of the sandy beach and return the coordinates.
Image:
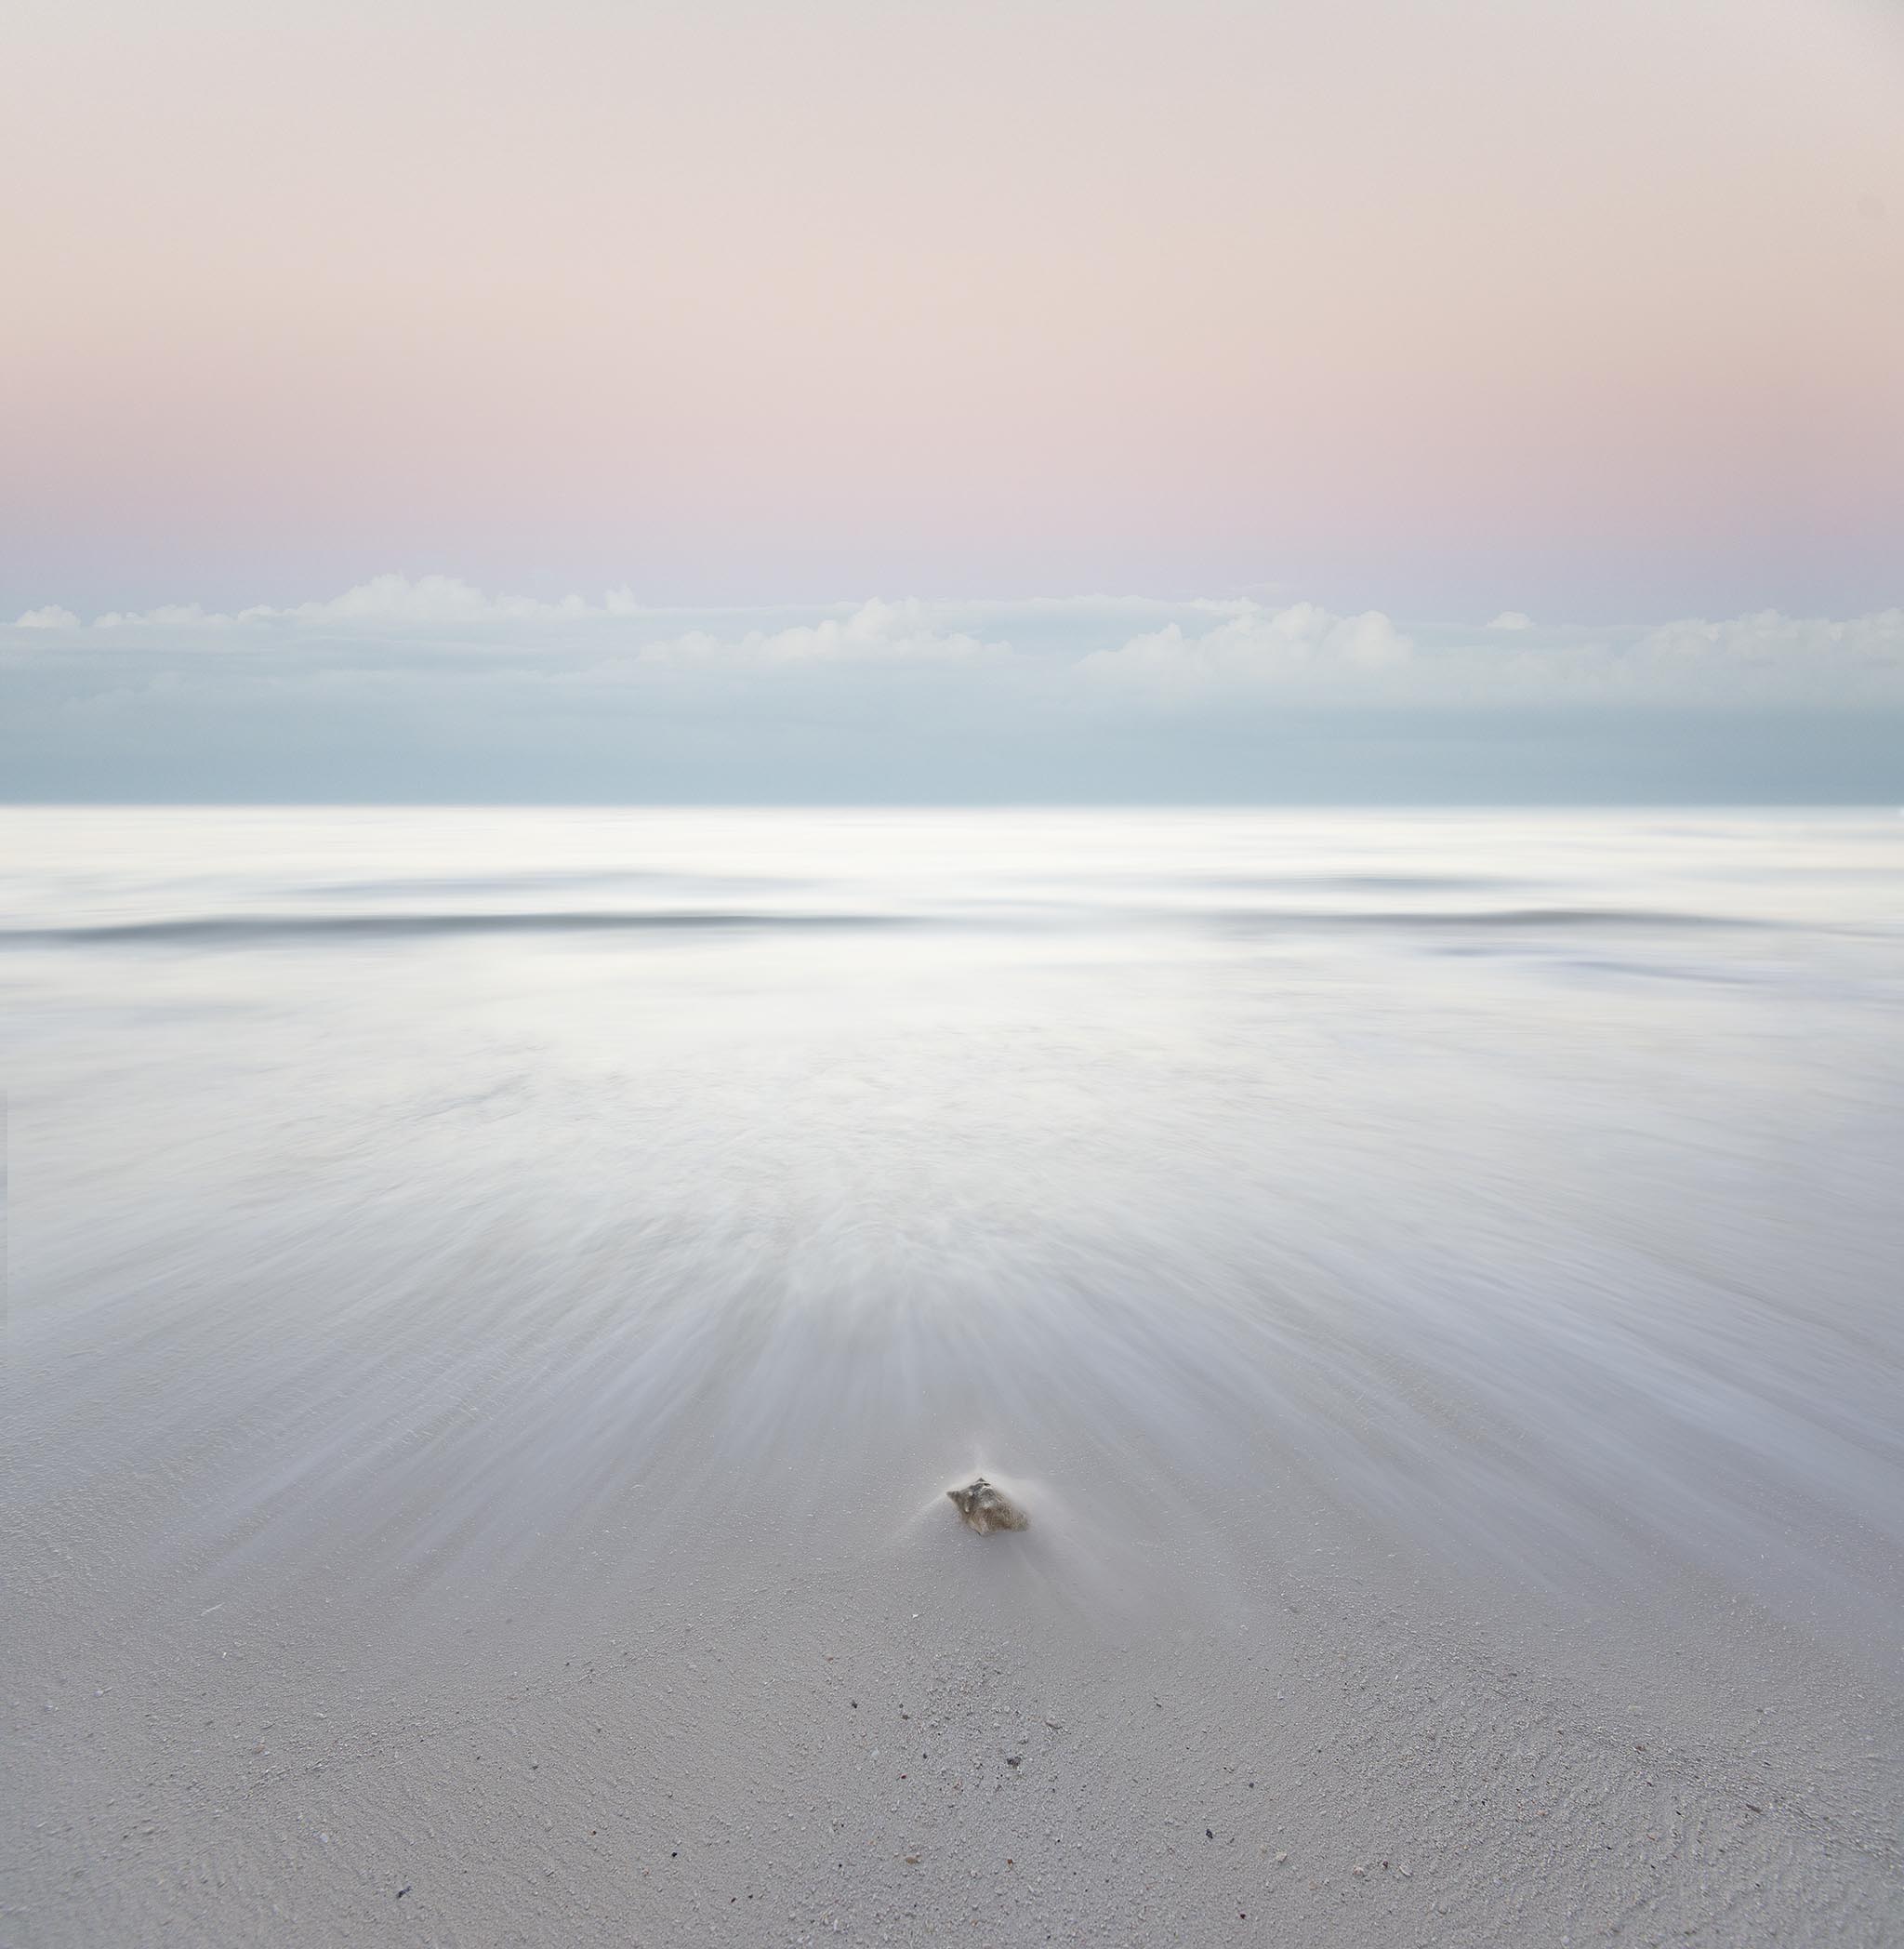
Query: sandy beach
(481, 1396)
(755, 757)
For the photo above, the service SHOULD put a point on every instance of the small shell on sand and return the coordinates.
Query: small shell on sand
(984, 1508)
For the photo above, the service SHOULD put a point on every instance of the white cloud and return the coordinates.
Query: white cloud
(1191, 652)
(872, 632)
(1766, 657)
(1256, 646)
(433, 599)
(172, 616)
(433, 611)
(875, 632)
(1769, 639)
(384, 601)
(1309, 652)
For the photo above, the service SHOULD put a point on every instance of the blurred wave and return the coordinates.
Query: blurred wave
(238, 929)
(460, 1241)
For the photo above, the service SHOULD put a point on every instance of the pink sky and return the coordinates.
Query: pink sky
(1464, 304)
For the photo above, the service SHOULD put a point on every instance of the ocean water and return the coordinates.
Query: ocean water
(418, 1204)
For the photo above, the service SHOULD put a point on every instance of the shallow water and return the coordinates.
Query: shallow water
(424, 1199)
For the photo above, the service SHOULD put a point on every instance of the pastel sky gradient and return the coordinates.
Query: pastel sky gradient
(1434, 307)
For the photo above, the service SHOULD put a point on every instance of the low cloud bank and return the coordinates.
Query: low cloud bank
(432, 690)
(1137, 651)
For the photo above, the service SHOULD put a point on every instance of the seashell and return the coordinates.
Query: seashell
(984, 1508)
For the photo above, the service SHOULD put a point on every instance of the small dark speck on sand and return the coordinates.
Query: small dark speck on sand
(402, 1891)
(1207, 1835)
(1011, 1760)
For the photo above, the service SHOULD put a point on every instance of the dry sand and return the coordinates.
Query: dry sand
(787, 1723)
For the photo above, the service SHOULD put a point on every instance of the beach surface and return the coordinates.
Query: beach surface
(497, 1299)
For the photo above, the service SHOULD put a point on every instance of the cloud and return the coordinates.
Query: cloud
(172, 616)
(1767, 641)
(438, 599)
(384, 601)
(1305, 653)
(1131, 653)
(398, 609)
(875, 632)
(1256, 647)
(1760, 659)
(845, 630)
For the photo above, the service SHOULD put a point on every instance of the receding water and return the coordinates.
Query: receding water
(427, 1195)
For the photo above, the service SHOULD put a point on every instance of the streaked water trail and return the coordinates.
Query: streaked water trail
(444, 1190)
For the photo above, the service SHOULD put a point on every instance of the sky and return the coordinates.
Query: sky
(725, 399)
